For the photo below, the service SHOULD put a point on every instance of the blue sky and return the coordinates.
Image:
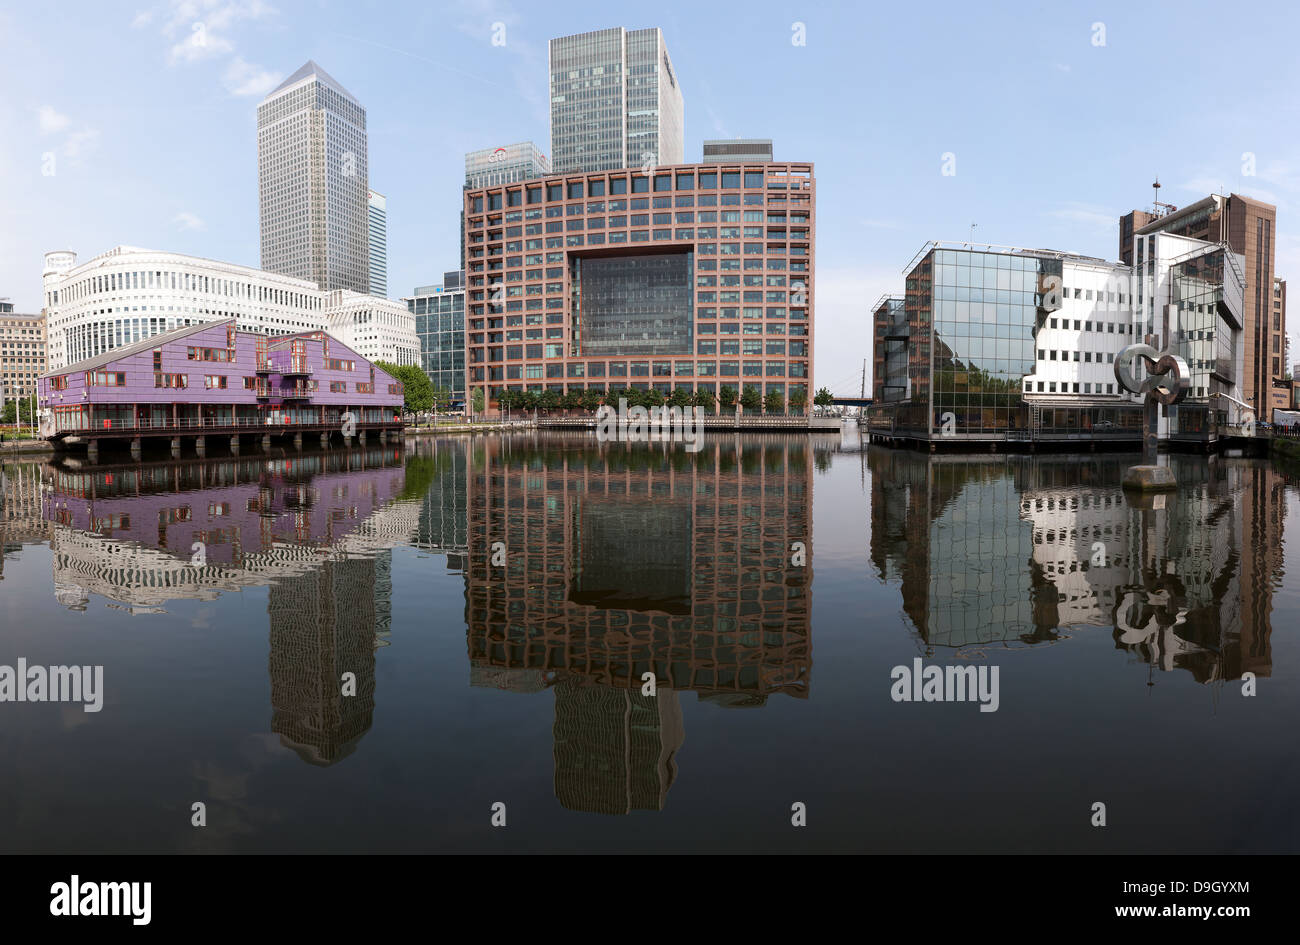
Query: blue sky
(1053, 134)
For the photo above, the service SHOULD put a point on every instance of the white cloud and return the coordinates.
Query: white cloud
(50, 120)
(199, 46)
(142, 19)
(188, 221)
(1062, 67)
(200, 31)
(244, 78)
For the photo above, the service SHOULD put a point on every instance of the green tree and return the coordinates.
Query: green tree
(727, 396)
(612, 398)
(549, 399)
(417, 389)
(12, 410)
(591, 399)
(478, 401)
(749, 398)
(652, 397)
(798, 399)
(680, 397)
(823, 398)
(704, 398)
(774, 402)
(441, 398)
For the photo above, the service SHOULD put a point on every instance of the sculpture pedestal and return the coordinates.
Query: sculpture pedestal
(1150, 479)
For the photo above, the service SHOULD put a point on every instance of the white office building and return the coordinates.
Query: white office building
(128, 294)
(1186, 293)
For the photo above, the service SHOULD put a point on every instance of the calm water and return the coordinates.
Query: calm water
(498, 600)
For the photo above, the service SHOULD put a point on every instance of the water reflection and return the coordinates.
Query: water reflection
(315, 527)
(588, 568)
(1016, 550)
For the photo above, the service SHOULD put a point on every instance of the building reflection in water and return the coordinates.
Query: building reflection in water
(1012, 550)
(623, 559)
(316, 527)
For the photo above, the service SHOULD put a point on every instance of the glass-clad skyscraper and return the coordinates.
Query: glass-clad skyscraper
(378, 238)
(312, 182)
(615, 102)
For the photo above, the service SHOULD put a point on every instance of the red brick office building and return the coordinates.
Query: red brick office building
(692, 276)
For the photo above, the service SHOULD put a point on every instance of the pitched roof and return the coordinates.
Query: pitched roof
(309, 68)
(153, 341)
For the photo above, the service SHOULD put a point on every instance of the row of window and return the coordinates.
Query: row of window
(659, 183)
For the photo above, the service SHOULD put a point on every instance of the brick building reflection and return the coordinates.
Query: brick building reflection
(316, 528)
(632, 559)
(1012, 550)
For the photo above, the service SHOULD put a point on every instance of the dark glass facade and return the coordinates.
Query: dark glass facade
(1204, 337)
(634, 305)
(440, 325)
(971, 320)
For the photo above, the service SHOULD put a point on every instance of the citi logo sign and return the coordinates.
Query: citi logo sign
(497, 156)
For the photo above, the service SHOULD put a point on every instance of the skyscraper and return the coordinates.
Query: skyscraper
(615, 102)
(378, 233)
(312, 182)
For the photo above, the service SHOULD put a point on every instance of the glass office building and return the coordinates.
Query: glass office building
(1206, 337)
(891, 335)
(439, 312)
(971, 319)
(634, 304)
(378, 223)
(615, 102)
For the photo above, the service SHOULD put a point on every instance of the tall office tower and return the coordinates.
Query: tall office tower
(615, 102)
(312, 182)
(722, 150)
(378, 238)
(1249, 228)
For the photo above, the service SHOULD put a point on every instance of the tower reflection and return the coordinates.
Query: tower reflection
(590, 566)
(316, 528)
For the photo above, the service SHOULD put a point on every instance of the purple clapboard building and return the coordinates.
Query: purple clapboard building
(214, 380)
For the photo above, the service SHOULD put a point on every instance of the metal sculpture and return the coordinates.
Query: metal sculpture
(1167, 382)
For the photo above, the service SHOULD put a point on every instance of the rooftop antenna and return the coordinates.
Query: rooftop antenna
(1156, 205)
(972, 233)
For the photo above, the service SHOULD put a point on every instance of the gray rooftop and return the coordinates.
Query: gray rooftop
(309, 68)
(153, 341)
